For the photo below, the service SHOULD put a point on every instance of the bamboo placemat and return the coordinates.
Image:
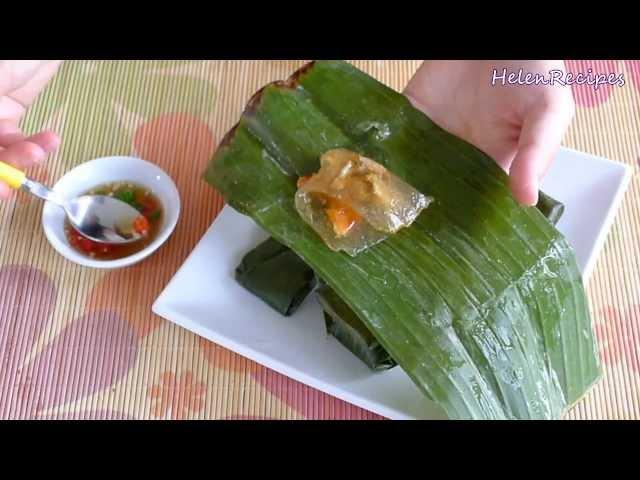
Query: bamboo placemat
(78, 343)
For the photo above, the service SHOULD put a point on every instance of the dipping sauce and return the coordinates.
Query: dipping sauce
(139, 197)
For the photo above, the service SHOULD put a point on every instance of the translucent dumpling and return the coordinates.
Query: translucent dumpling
(353, 202)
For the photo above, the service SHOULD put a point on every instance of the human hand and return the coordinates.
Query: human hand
(20, 83)
(520, 127)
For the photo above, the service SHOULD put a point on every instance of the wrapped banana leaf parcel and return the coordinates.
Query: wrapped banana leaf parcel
(342, 323)
(281, 279)
(478, 299)
(277, 276)
(550, 207)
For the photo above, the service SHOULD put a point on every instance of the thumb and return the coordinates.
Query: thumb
(540, 139)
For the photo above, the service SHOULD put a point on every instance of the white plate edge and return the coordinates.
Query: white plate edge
(612, 212)
(284, 369)
(279, 367)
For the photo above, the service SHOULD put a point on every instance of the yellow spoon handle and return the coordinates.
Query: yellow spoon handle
(12, 176)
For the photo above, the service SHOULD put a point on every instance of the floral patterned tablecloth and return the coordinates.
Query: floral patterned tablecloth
(80, 343)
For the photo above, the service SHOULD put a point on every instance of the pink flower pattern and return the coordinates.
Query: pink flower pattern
(586, 95)
(307, 401)
(88, 355)
(177, 396)
(619, 342)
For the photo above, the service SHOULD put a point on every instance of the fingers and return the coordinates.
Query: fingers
(26, 93)
(25, 152)
(20, 83)
(47, 141)
(9, 133)
(8, 126)
(14, 144)
(540, 138)
(5, 191)
(15, 73)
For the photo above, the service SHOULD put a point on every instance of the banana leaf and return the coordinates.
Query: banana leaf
(342, 323)
(277, 276)
(257, 270)
(550, 207)
(480, 301)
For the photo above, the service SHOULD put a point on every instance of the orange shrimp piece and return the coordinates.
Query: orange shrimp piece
(341, 216)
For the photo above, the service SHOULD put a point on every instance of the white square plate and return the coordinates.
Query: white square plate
(204, 297)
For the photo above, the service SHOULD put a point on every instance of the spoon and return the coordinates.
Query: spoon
(100, 218)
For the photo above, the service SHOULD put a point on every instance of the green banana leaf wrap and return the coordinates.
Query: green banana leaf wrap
(277, 276)
(271, 259)
(295, 281)
(342, 323)
(480, 301)
(550, 207)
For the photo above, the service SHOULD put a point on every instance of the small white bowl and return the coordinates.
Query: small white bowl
(103, 171)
